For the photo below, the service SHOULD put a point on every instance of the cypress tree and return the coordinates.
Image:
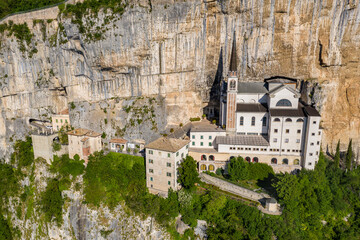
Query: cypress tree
(337, 155)
(349, 156)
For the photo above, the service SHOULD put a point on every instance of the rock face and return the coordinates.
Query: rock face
(176, 52)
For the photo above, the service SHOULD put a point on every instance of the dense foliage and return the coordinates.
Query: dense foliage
(239, 169)
(9, 185)
(51, 202)
(23, 153)
(188, 174)
(5, 232)
(13, 6)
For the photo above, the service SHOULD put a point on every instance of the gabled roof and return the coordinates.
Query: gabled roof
(245, 140)
(277, 89)
(64, 112)
(251, 107)
(118, 140)
(311, 111)
(167, 144)
(251, 87)
(286, 112)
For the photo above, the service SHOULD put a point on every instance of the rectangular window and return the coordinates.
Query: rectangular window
(286, 140)
(310, 154)
(56, 120)
(210, 137)
(61, 120)
(168, 164)
(317, 153)
(241, 121)
(309, 163)
(151, 161)
(182, 155)
(187, 146)
(151, 179)
(210, 144)
(275, 130)
(319, 133)
(193, 136)
(311, 144)
(177, 154)
(159, 153)
(151, 170)
(275, 139)
(201, 144)
(66, 121)
(253, 121)
(287, 130)
(298, 131)
(193, 143)
(313, 134)
(169, 183)
(168, 155)
(314, 122)
(151, 152)
(288, 150)
(201, 137)
(297, 140)
(168, 174)
(318, 143)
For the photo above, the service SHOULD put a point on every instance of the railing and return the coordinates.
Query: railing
(33, 10)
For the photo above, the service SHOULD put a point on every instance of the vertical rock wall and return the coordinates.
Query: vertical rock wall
(171, 50)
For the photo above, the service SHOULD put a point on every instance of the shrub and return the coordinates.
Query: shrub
(5, 232)
(51, 202)
(72, 105)
(194, 119)
(56, 146)
(23, 153)
(103, 135)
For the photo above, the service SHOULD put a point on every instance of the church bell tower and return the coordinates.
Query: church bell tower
(232, 85)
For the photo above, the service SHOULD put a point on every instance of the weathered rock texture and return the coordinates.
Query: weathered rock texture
(173, 49)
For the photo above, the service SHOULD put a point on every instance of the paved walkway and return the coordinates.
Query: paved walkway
(237, 190)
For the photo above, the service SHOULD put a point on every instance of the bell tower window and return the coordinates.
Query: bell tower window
(232, 85)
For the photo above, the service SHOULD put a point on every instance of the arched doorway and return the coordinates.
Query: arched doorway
(211, 167)
(273, 161)
(285, 161)
(255, 159)
(203, 157)
(211, 158)
(248, 159)
(296, 161)
(203, 167)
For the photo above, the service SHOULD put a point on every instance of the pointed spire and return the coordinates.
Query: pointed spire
(233, 62)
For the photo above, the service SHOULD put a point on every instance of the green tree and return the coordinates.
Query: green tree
(337, 155)
(9, 185)
(23, 153)
(5, 232)
(238, 169)
(349, 155)
(51, 202)
(188, 174)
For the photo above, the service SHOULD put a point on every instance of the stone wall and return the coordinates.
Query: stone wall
(178, 51)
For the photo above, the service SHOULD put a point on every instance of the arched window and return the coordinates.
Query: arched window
(264, 121)
(283, 103)
(241, 121)
(300, 120)
(253, 121)
(203, 157)
(285, 161)
(211, 167)
(203, 167)
(288, 120)
(273, 161)
(277, 120)
(296, 162)
(255, 159)
(248, 159)
(232, 85)
(211, 158)
(252, 101)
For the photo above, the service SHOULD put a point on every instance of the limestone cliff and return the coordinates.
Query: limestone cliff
(176, 52)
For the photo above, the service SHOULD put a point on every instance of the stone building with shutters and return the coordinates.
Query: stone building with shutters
(163, 156)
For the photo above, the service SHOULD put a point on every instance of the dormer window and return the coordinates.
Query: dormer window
(283, 103)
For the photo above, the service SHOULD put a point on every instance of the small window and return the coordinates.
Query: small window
(297, 140)
(286, 140)
(287, 130)
(169, 183)
(277, 120)
(318, 143)
(66, 121)
(193, 143)
(298, 131)
(177, 154)
(285, 161)
(313, 134)
(275, 130)
(56, 120)
(241, 121)
(310, 154)
(253, 121)
(168, 174)
(201, 144)
(151, 179)
(210, 144)
(210, 137)
(288, 120)
(168, 155)
(151, 170)
(319, 133)
(151, 152)
(182, 155)
(311, 144)
(309, 163)
(168, 164)
(300, 120)
(201, 137)
(275, 139)
(151, 161)
(314, 122)
(193, 136)
(61, 120)
(317, 153)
